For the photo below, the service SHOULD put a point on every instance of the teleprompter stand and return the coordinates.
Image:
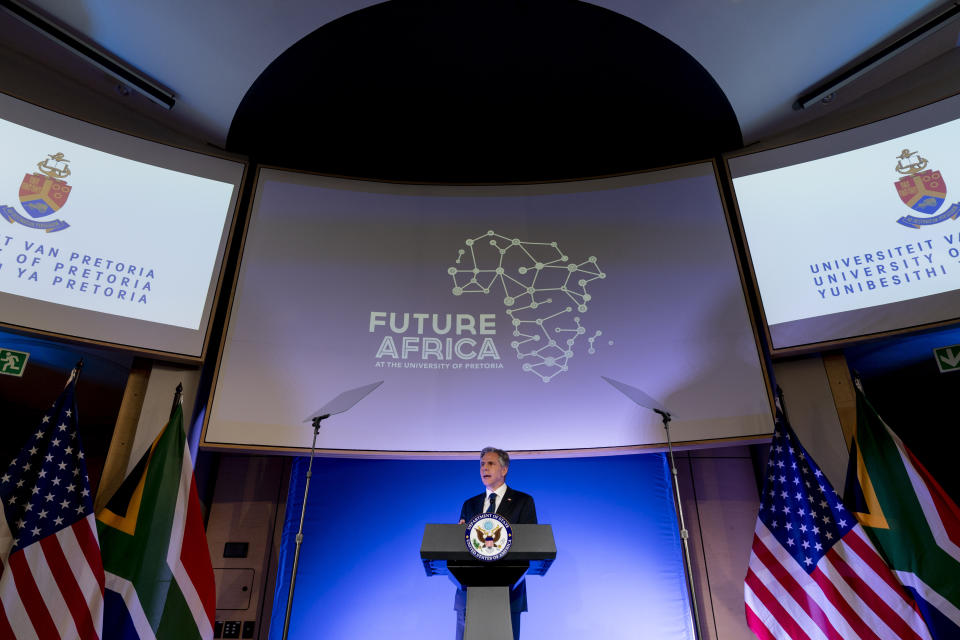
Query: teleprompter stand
(643, 400)
(488, 584)
(339, 404)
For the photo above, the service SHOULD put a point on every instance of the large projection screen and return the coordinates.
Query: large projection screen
(108, 237)
(856, 233)
(492, 314)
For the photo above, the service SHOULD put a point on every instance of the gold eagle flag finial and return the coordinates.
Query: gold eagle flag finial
(57, 172)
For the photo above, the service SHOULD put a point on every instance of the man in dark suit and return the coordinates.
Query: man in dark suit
(517, 507)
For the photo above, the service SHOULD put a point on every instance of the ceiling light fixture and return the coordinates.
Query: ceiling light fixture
(819, 93)
(126, 74)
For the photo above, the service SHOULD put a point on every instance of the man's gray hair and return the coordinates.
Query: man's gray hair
(503, 455)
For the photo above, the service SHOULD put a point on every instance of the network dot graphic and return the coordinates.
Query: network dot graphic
(544, 292)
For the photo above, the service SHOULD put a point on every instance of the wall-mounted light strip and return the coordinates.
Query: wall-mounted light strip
(112, 65)
(818, 93)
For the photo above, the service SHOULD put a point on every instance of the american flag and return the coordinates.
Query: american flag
(51, 575)
(813, 572)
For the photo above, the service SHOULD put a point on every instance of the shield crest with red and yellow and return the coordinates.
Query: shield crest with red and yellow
(924, 191)
(42, 195)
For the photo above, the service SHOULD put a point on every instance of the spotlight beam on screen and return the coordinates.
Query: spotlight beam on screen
(642, 399)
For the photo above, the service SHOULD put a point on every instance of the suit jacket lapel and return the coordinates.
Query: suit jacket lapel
(505, 508)
(481, 502)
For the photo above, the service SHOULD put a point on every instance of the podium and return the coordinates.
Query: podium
(488, 584)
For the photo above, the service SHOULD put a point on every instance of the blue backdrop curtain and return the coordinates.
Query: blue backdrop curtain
(618, 574)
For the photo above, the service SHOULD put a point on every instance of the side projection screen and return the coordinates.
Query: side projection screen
(108, 237)
(491, 314)
(856, 233)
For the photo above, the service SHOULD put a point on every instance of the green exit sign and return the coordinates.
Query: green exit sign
(948, 358)
(12, 363)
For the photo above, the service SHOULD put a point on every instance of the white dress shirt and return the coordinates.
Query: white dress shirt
(499, 491)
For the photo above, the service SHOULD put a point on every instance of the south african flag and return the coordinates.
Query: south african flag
(159, 580)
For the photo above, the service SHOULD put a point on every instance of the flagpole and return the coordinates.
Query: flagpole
(303, 513)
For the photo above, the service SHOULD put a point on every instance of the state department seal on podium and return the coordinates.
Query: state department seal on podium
(488, 537)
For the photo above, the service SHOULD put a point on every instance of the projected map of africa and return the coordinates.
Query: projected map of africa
(544, 292)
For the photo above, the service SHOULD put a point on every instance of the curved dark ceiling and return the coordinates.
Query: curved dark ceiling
(498, 90)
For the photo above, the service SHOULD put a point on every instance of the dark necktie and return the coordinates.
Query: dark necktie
(493, 504)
